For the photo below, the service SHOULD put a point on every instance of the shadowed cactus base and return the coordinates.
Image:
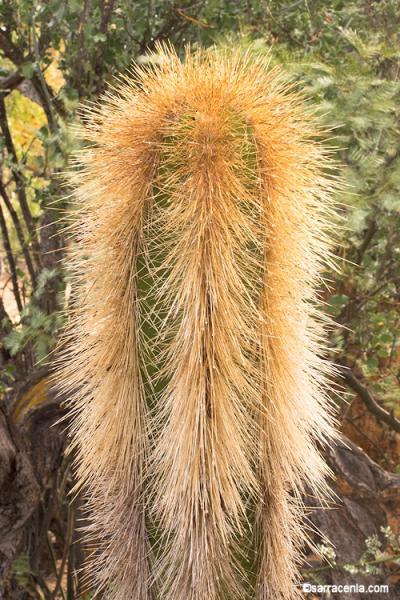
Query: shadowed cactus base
(200, 231)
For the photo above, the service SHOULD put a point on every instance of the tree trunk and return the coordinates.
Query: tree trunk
(368, 499)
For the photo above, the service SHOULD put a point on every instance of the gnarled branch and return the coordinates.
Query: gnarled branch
(367, 397)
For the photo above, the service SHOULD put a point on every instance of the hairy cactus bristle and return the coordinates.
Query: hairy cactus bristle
(194, 354)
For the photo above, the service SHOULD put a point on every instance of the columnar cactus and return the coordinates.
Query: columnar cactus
(194, 350)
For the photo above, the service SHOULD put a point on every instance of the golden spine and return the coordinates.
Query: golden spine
(194, 349)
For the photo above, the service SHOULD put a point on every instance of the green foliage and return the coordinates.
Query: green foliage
(356, 89)
(376, 554)
(379, 551)
(36, 328)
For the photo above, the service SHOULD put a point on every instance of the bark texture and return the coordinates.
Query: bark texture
(368, 498)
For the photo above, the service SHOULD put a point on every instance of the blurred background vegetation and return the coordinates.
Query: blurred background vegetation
(345, 55)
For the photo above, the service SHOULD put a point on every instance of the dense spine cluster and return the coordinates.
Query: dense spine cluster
(193, 350)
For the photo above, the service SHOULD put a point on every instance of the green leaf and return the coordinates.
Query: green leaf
(371, 363)
(13, 342)
(99, 37)
(382, 352)
(391, 201)
(27, 70)
(339, 300)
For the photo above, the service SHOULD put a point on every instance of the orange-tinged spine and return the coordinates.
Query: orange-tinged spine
(194, 348)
